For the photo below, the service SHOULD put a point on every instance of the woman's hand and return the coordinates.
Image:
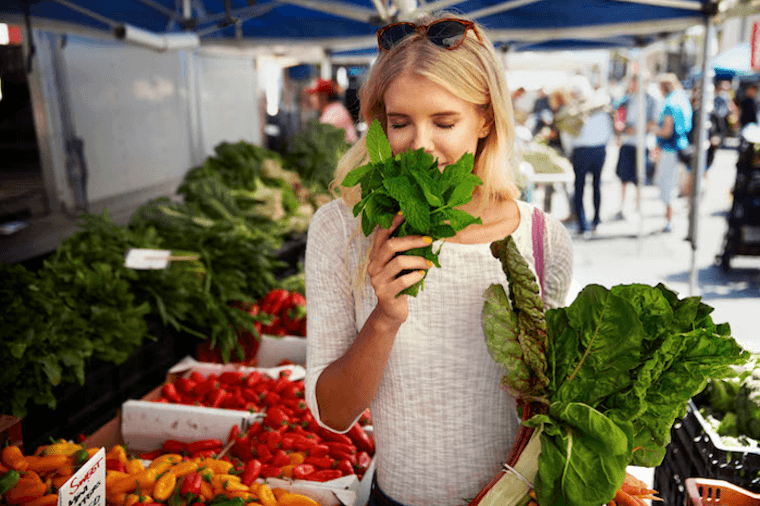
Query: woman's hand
(385, 265)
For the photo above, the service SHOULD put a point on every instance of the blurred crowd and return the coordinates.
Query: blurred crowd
(581, 123)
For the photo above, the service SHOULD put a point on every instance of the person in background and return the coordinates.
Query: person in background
(626, 119)
(421, 363)
(672, 130)
(748, 106)
(714, 139)
(324, 96)
(589, 151)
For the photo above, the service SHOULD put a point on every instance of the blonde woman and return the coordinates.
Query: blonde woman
(442, 424)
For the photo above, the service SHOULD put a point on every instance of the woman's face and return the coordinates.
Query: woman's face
(422, 114)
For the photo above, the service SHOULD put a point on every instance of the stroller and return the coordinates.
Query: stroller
(743, 233)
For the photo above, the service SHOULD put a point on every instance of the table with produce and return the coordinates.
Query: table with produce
(602, 384)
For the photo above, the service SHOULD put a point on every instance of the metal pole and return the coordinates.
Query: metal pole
(641, 123)
(701, 158)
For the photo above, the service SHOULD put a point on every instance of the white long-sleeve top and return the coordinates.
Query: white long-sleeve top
(442, 423)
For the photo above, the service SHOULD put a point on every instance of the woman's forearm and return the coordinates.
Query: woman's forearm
(348, 385)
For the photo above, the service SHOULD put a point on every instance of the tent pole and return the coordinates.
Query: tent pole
(701, 157)
(641, 122)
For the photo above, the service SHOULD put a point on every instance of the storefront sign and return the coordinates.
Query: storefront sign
(88, 485)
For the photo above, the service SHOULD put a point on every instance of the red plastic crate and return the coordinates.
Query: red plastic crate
(705, 492)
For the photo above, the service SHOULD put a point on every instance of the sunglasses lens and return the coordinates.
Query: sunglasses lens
(447, 33)
(392, 35)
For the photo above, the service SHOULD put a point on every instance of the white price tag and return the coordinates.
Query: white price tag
(88, 485)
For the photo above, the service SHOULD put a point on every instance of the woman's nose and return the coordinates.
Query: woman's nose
(421, 140)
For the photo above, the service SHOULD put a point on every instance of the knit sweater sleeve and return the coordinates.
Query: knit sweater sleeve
(332, 259)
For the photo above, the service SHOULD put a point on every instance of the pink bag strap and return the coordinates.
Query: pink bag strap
(538, 246)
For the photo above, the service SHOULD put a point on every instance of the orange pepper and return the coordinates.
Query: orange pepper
(245, 496)
(171, 458)
(135, 466)
(296, 458)
(184, 468)
(278, 493)
(207, 491)
(58, 478)
(49, 463)
(296, 500)
(164, 486)
(25, 491)
(145, 479)
(45, 500)
(132, 499)
(92, 451)
(225, 483)
(116, 499)
(13, 457)
(218, 466)
(119, 453)
(287, 471)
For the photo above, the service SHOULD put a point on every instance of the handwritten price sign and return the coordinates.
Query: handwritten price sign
(88, 485)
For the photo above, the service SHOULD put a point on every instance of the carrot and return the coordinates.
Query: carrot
(623, 498)
(635, 486)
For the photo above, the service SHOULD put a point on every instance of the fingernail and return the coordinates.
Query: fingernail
(422, 272)
(400, 213)
(428, 240)
(430, 264)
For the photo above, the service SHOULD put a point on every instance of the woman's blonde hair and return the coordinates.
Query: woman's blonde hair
(471, 72)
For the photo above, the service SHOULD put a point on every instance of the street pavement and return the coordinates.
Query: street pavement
(634, 250)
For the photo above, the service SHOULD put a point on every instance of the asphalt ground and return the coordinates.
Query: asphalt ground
(635, 250)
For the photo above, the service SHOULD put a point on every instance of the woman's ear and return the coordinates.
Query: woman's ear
(485, 130)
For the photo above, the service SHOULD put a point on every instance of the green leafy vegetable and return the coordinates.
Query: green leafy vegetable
(618, 367)
(412, 183)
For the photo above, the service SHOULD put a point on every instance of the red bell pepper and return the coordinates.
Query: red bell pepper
(191, 484)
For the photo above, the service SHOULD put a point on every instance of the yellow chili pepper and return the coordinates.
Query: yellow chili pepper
(58, 478)
(225, 483)
(218, 466)
(184, 468)
(164, 486)
(92, 451)
(162, 467)
(207, 491)
(119, 453)
(246, 496)
(49, 463)
(266, 496)
(13, 457)
(145, 479)
(135, 466)
(61, 449)
(278, 493)
(206, 473)
(131, 500)
(171, 458)
(296, 500)
(25, 491)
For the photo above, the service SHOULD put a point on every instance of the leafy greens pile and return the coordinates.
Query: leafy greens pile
(412, 183)
(613, 371)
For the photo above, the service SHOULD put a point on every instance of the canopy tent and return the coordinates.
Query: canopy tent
(734, 63)
(349, 25)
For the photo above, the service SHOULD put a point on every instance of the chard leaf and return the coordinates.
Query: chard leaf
(378, 147)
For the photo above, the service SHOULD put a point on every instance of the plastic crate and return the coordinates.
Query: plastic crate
(696, 451)
(704, 492)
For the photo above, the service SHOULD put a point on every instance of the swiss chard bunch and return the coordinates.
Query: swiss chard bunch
(613, 370)
(412, 183)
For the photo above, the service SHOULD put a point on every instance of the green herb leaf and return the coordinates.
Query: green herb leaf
(378, 147)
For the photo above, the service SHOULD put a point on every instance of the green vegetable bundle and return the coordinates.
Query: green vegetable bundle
(412, 183)
(612, 371)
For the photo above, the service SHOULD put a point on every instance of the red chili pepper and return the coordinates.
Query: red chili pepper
(173, 446)
(242, 449)
(251, 471)
(301, 471)
(263, 453)
(319, 450)
(170, 392)
(320, 462)
(205, 445)
(324, 475)
(116, 465)
(363, 460)
(184, 385)
(197, 377)
(273, 301)
(191, 484)
(274, 440)
(151, 455)
(234, 433)
(280, 458)
(253, 379)
(335, 437)
(270, 471)
(366, 418)
(361, 439)
(275, 417)
(204, 453)
(232, 377)
(345, 467)
(217, 397)
(344, 456)
(341, 447)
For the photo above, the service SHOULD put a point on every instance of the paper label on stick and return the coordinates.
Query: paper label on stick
(142, 258)
(88, 485)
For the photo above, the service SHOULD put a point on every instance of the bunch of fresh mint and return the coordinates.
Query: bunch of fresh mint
(412, 183)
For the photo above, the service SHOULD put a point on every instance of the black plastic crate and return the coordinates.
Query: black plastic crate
(696, 451)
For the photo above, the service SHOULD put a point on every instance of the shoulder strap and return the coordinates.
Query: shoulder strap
(538, 246)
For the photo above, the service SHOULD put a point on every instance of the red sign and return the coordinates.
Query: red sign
(755, 47)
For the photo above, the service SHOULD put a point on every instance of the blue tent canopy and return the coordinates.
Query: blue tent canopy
(351, 24)
(733, 63)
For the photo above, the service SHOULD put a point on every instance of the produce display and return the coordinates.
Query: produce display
(172, 479)
(411, 183)
(287, 441)
(602, 380)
